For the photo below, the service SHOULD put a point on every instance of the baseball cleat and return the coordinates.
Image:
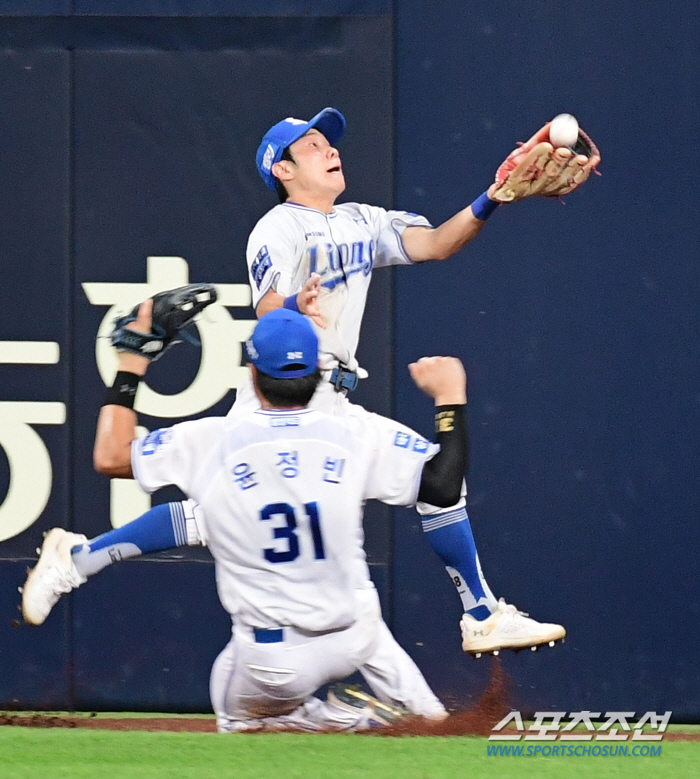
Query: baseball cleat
(373, 713)
(506, 628)
(54, 575)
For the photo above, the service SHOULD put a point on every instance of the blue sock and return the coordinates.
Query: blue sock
(163, 527)
(451, 538)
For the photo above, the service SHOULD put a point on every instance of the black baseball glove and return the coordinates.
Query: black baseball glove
(173, 310)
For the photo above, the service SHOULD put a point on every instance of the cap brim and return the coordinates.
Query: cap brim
(329, 122)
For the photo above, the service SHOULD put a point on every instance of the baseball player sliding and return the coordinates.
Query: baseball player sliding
(311, 255)
(283, 490)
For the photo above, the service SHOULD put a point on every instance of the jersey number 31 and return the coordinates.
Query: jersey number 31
(287, 532)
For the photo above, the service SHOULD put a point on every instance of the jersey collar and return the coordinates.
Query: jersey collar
(307, 208)
(282, 411)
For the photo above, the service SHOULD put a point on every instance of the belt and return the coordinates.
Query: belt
(268, 635)
(344, 380)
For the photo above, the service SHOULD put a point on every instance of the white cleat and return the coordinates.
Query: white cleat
(506, 628)
(54, 575)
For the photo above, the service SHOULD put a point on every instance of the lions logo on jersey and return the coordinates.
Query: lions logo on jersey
(335, 263)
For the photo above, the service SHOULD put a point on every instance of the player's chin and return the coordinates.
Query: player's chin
(338, 181)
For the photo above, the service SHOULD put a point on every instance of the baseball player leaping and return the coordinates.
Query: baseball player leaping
(311, 255)
(283, 490)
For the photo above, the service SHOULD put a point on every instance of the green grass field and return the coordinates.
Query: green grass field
(29, 753)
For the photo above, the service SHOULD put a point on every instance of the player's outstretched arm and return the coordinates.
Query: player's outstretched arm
(306, 302)
(439, 243)
(542, 166)
(116, 424)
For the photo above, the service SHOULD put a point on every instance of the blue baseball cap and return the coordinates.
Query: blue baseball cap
(329, 122)
(283, 345)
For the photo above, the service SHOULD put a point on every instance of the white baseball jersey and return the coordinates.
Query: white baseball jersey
(291, 242)
(283, 493)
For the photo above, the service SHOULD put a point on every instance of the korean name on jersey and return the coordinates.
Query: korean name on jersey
(283, 494)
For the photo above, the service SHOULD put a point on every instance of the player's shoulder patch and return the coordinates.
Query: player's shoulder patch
(261, 264)
(414, 443)
(420, 445)
(402, 440)
(155, 440)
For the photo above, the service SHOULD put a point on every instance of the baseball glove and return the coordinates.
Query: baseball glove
(537, 168)
(173, 310)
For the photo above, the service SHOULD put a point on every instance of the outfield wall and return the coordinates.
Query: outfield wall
(128, 136)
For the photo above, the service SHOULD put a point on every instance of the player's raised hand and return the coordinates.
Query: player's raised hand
(443, 378)
(153, 326)
(144, 318)
(128, 361)
(134, 363)
(307, 300)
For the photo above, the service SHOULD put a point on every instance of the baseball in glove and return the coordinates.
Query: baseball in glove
(173, 311)
(537, 168)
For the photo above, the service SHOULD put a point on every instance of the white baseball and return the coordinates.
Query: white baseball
(563, 131)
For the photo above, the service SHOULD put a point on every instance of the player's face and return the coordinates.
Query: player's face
(318, 168)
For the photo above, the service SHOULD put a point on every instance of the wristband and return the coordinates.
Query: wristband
(291, 304)
(445, 417)
(483, 207)
(123, 391)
